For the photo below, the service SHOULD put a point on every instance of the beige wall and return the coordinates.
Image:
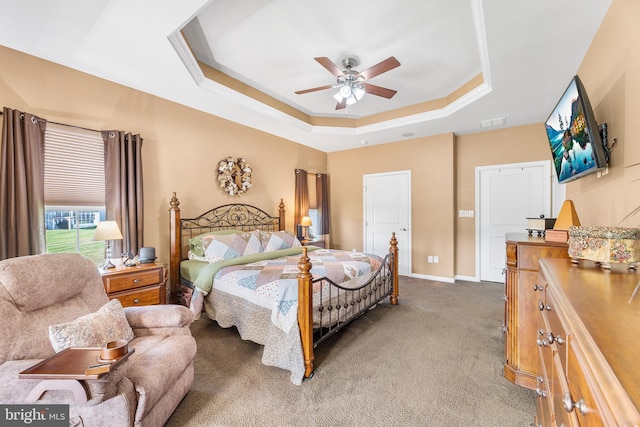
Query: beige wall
(431, 161)
(495, 147)
(181, 146)
(610, 72)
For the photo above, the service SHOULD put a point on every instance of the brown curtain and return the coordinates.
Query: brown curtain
(301, 200)
(123, 188)
(21, 185)
(322, 198)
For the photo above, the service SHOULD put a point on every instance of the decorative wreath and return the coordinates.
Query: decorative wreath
(234, 176)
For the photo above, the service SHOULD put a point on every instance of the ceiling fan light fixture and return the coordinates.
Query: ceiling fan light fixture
(345, 91)
(351, 100)
(358, 92)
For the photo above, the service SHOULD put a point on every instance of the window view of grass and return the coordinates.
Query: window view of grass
(65, 241)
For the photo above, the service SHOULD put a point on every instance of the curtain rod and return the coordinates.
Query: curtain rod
(62, 124)
(71, 126)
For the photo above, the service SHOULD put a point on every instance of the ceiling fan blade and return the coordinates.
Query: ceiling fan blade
(381, 67)
(330, 66)
(380, 91)
(342, 104)
(300, 92)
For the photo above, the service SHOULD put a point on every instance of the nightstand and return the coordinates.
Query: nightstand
(319, 243)
(142, 284)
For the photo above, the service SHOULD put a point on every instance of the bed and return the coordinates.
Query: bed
(278, 293)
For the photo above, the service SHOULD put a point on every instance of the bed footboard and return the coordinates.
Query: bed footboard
(337, 305)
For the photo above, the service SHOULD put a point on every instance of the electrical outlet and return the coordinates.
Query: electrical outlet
(430, 259)
(435, 259)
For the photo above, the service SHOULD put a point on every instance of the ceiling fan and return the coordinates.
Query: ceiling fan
(352, 83)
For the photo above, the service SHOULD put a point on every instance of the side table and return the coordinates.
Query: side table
(142, 284)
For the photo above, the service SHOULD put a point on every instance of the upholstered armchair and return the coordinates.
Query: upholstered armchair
(49, 301)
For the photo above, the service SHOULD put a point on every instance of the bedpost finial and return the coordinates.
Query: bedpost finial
(174, 202)
(394, 241)
(304, 266)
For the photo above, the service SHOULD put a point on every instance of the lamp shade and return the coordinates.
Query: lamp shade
(107, 230)
(306, 221)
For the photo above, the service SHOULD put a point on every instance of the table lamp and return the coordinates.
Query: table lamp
(306, 223)
(107, 231)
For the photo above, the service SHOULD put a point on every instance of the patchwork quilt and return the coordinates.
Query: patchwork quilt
(269, 279)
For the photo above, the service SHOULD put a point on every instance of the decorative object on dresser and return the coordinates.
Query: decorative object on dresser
(566, 218)
(147, 255)
(234, 176)
(539, 225)
(107, 231)
(52, 302)
(587, 345)
(521, 299)
(605, 245)
(143, 284)
(277, 302)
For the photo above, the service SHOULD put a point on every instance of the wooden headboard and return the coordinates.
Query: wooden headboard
(235, 216)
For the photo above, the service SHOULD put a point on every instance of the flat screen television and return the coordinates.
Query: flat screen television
(578, 145)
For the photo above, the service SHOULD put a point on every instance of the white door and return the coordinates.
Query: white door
(508, 195)
(387, 209)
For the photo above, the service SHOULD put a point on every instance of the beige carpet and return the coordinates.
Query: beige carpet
(434, 360)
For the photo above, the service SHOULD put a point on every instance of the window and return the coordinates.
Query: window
(74, 190)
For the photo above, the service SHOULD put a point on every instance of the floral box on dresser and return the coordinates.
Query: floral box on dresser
(605, 245)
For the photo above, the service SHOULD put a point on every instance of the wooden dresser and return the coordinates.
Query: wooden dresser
(143, 284)
(520, 312)
(588, 345)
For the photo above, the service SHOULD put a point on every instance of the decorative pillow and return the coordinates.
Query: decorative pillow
(275, 240)
(230, 246)
(109, 323)
(195, 243)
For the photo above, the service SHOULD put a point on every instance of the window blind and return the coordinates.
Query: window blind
(73, 167)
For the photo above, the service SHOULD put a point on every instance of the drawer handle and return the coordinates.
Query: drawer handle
(540, 380)
(537, 287)
(136, 301)
(136, 281)
(541, 341)
(570, 405)
(503, 297)
(540, 392)
(543, 307)
(557, 339)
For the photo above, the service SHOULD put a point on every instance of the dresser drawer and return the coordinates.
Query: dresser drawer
(148, 296)
(580, 394)
(557, 334)
(132, 280)
(528, 256)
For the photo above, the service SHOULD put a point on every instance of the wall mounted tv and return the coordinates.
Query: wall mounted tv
(578, 145)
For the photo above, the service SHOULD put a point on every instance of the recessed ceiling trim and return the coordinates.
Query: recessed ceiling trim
(215, 80)
(211, 79)
(481, 36)
(185, 54)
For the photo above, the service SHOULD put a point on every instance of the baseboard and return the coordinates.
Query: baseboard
(468, 278)
(435, 278)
